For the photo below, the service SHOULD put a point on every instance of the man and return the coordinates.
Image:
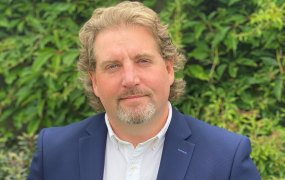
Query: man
(128, 64)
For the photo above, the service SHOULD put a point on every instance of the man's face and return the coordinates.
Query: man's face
(131, 79)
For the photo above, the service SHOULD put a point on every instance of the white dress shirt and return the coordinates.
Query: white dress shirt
(124, 162)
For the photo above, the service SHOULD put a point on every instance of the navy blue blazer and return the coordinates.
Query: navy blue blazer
(193, 150)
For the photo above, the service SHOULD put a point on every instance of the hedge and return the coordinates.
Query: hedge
(234, 73)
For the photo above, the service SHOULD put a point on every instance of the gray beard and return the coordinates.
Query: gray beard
(137, 115)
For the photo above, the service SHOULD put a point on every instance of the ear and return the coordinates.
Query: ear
(169, 68)
(94, 82)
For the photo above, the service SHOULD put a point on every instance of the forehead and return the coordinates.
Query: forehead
(124, 39)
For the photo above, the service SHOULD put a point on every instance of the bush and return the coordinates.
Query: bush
(15, 161)
(234, 72)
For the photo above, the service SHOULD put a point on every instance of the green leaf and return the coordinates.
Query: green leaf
(278, 89)
(270, 37)
(45, 40)
(231, 41)
(179, 74)
(190, 24)
(8, 11)
(186, 108)
(10, 78)
(237, 18)
(56, 39)
(282, 77)
(231, 2)
(61, 117)
(56, 60)
(199, 28)
(197, 71)
(188, 38)
(2, 95)
(198, 54)
(13, 23)
(42, 59)
(47, 122)
(259, 53)
(18, 124)
(70, 57)
(27, 78)
(79, 102)
(33, 126)
(11, 75)
(233, 69)
(220, 36)
(203, 16)
(202, 45)
(73, 8)
(41, 107)
(50, 83)
(220, 70)
(212, 15)
(149, 4)
(7, 113)
(4, 22)
(246, 62)
(61, 6)
(29, 99)
(246, 97)
(20, 26)
(62, 78)
(270, 61)
(22, 94)
(51, 104)
(217, 25)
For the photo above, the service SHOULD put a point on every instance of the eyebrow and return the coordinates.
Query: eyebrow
(108, 61)
(111, 61)
(144, 54)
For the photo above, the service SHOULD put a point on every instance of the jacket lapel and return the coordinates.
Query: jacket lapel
(92, 150)
(177, 152)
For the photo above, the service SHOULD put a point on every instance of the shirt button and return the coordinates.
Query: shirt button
(133, 167)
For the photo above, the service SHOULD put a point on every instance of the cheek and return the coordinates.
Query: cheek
(107, 88)
(159, 82)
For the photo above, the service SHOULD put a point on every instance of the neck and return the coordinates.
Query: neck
(139, 133)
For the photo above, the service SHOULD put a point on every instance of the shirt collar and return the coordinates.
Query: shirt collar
(159, 137)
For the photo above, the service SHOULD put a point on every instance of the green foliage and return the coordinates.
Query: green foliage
(38, 52)
(15, 161)
(235, 70)
(234, 73)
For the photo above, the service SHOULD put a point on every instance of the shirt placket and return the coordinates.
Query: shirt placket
(135, 161)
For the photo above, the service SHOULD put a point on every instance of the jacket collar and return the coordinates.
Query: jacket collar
(176, 155)
(92, 149)
(177, 152)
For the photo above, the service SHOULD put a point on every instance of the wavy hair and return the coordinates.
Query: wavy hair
(126, 13)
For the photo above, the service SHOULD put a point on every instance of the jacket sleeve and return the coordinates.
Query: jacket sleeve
(36, 169)
(243, 167)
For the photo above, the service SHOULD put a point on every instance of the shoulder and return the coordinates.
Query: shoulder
(57, 135)
(215, 144)
(225, 152)
(208, 139)
(220, 153)
(206, 132)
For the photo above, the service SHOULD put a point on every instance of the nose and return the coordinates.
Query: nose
(130, 76)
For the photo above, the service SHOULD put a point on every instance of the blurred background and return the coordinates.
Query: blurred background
(235, 67)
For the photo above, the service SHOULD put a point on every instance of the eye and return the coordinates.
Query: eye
(143, 61)
(112, 66)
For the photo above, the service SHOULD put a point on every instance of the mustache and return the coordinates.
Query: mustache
(132, 92)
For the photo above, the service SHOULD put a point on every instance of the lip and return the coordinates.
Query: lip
(133, 98)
